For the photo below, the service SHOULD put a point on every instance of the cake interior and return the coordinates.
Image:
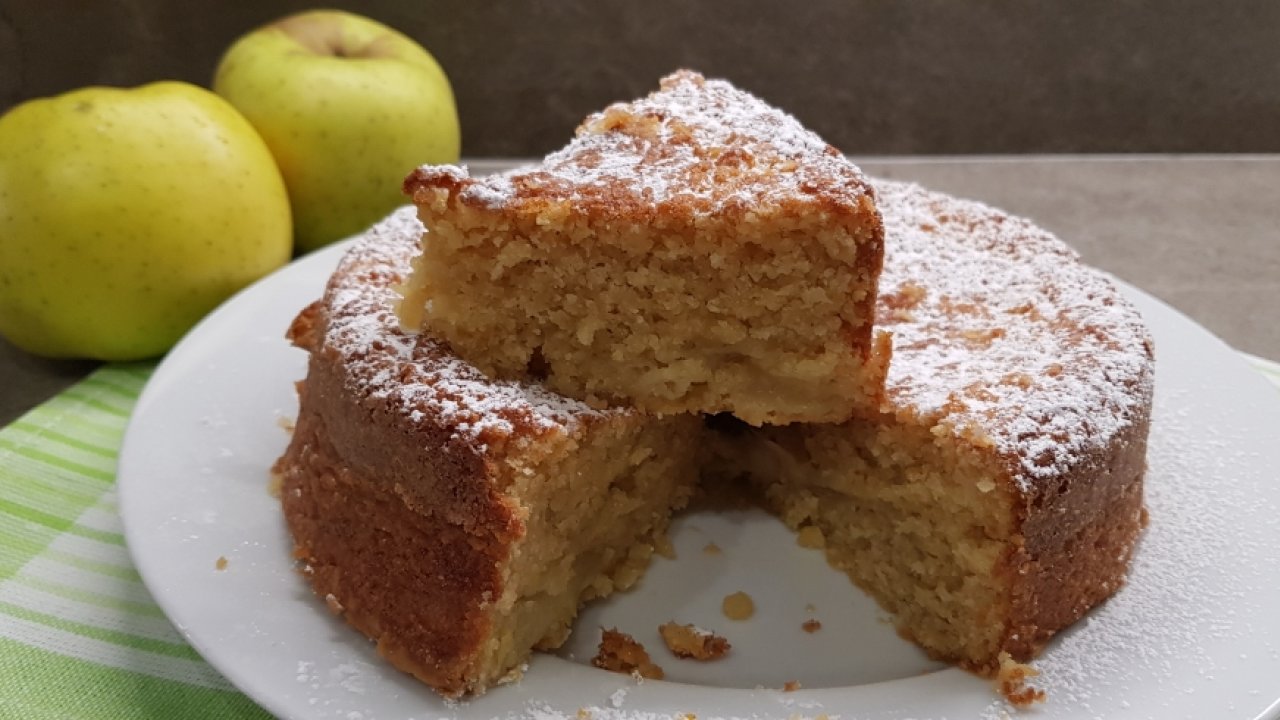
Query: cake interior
(913, 518)
(767, 319)
(632, 471)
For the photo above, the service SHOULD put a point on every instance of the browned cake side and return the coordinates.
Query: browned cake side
(410, 580)
(692, 251)
(1075, 542)
(412, 481)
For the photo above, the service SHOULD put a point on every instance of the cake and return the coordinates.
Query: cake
(460, 521)
(693, 251)
(998, 496)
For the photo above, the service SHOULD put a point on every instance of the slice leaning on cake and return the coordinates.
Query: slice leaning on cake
(460, 520)
(693, 251)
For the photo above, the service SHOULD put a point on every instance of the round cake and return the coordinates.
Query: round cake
(996, 497)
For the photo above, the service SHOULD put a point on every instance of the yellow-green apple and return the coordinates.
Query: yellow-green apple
(348, 107)
(126, 215)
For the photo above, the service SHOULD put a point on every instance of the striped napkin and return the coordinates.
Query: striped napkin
(79, 635)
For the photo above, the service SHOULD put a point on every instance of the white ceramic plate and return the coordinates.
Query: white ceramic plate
(1196, 634)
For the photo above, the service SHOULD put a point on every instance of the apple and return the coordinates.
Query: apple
(348, 107)
(126, 215)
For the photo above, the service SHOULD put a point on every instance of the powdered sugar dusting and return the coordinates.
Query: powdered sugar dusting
(416, 374)
(1003, 335)
(694, 147)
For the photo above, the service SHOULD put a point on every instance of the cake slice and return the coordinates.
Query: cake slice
(999, 495)
(457, 521)
(693, 251)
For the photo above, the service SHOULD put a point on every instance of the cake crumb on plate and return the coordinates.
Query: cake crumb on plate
(692, 642)
(810, 537)
(619, 652)
(738, 606)
(1011, 681)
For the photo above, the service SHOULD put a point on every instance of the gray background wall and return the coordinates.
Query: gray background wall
(872, 76)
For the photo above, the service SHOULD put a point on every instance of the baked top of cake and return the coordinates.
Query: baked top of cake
(416, 374)
(1003, 336)
(694, 148)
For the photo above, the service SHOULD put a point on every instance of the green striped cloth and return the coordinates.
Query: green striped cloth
(79, 635)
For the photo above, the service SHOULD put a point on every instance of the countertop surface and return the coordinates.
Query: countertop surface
(1201, 233)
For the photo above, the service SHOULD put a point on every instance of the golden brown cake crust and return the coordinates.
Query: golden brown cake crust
(361, 541)
(1078, 540)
